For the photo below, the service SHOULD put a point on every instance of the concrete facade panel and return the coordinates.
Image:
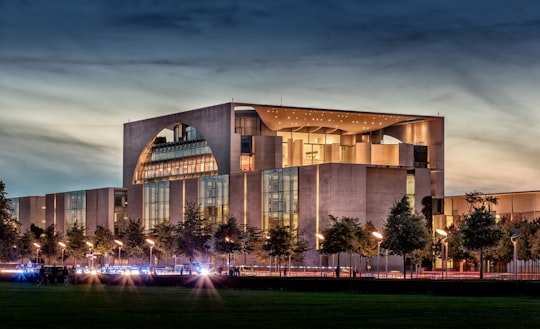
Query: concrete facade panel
(176, 194)
(385, 186)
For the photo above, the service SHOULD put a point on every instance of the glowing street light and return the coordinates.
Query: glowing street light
(379, 237)
(514, 239)
(320, 237)
(90, 246)
(229, 242)
(444, 245)
(63, 245)
(151, 243)
(120, 245)
(38, 247)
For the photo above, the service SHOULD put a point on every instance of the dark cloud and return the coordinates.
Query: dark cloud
(100, 63)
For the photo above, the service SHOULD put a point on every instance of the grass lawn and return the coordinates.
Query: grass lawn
(98, 306)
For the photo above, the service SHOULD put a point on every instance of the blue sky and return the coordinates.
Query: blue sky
(73, 72)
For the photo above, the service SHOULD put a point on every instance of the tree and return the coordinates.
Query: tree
(164, 235)
(283, 242)
(193, 233)
(251, 240)
(368, 244)
(76, 245)
(103, 242)
(343, 235)
(134, 238)
(405, 232)
(479, 231)
(227, 238)
(9, 228)
(49, 244)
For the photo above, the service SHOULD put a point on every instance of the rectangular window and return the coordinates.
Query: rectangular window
(155, 204)
(75, 209)
(214, 197)
(280, 198)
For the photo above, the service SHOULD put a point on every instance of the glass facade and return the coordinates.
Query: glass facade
(185, 157)
(280, 198)
(75, 209)
(155, 204)
(316, 148)
(214, 197)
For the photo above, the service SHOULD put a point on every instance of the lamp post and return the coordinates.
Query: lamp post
(120, 245)
(38, 247)
(444, 245)
(320, 238)
(379, 237)
(228, 242)
(63, 245)
(91, 261)
(151, 243)
(514, 239)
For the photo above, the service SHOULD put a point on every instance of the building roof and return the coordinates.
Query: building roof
(282, 118)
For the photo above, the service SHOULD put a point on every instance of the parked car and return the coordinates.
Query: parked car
(246, 270)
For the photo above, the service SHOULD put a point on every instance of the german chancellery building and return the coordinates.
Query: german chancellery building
(265, 165)
(277, 165)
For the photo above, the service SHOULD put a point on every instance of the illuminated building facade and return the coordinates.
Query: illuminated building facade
(277, 165)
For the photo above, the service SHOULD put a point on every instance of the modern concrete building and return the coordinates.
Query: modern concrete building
(28, 210)
(278, 165)
(105, 206)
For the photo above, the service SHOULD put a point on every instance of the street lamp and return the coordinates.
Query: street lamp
(38, 247)
(63, 245)
(320, 238)
(444, 245)
(151, 243)
(514, 239)
(120, 244)
(91, 261)
(228, 241)
(379, 237)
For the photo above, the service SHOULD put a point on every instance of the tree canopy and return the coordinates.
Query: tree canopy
(405, 232)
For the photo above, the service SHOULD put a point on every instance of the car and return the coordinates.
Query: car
(246, 270)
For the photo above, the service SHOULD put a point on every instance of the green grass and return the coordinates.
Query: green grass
(98, 306)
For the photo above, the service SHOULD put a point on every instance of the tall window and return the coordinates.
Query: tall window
(214, 197)
(155, 204)
(280, 197)
(75, 209)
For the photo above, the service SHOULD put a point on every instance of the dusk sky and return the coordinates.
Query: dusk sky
(73, 72)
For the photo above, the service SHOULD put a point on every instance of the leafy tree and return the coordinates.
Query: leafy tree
(342, 236)
(164, 237)
(368, 243)
(134, 239)
(194, 233)
(76, 245)
(283, 243)
(251, 240)
(103, 241)
(49, 244)
(405, 232)
(5, 204)
(26, 245)
(9, 228)
(479, 231)
(228, 238)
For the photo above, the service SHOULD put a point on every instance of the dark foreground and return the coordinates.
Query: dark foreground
(24, 305)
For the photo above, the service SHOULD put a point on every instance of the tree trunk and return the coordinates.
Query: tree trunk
(404, 267)
(337, 268)
(481, 264)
